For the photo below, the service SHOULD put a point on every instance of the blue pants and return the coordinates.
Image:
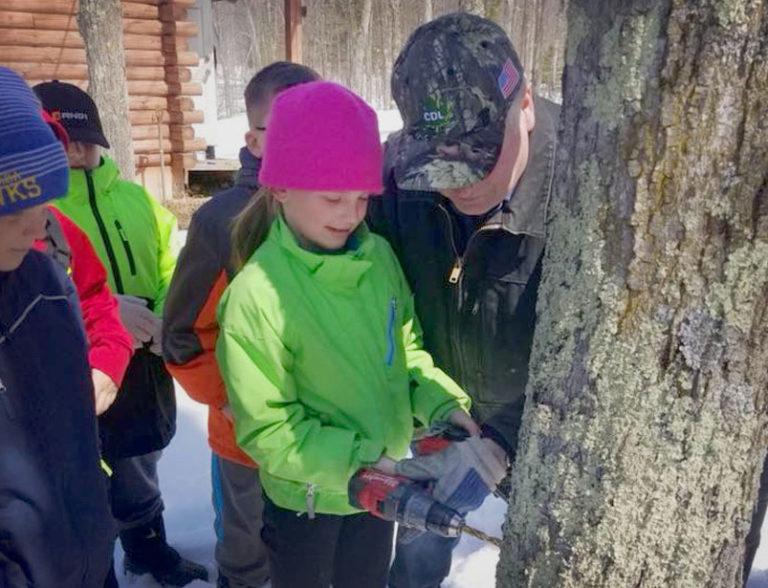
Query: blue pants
(423, 563)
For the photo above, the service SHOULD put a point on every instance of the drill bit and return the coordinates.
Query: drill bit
(478, 534)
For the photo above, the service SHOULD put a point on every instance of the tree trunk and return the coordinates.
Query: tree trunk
(552, 85)
(473, 6)
(645, 428)
(493, 10)
(253, 58)
(360, 47)
(539, 40)
(525, 46)
(101, 26)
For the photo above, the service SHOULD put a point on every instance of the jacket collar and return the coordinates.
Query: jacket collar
(336, 270)
(248, 176)
(525, 212)
(103, 177)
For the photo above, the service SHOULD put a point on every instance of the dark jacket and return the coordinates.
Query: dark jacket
(190, 328)
(480, 328)
(55, 525)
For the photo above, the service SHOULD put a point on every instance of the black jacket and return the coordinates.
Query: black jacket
(55, 525)
(480, 328)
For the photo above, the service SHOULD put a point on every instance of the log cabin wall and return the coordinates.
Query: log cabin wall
(40, 40)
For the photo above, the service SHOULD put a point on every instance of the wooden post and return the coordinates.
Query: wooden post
(159, 119)
(293, 15)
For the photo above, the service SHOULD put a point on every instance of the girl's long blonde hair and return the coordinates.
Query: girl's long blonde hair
(251, 226)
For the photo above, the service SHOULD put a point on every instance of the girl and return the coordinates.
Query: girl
(319, 346)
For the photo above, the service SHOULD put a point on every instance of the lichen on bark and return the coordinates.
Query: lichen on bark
(644, 431)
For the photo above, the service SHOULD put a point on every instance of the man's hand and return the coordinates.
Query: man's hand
(464, 473)
(463, 420)
(104, 391)
(141, 322)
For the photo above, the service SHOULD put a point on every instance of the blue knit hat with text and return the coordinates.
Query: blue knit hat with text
(33, 165)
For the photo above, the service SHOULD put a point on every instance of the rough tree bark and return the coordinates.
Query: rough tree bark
(101, 26)
(645, 428)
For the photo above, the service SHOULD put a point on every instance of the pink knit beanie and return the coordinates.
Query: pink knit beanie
(321, 136)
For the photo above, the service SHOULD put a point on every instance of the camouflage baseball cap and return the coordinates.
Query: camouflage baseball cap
(453, 83)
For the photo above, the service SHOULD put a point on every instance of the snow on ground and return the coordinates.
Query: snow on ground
(185, 479)
(759, 576)
(230, 136)
(230, 132)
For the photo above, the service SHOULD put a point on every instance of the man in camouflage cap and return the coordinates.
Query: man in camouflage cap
(468, 181)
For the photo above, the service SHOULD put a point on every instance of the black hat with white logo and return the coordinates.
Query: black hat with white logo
(74, 109)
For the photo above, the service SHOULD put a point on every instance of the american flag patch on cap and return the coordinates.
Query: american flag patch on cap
(508, 78)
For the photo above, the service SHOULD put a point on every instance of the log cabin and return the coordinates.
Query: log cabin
(40, 40)
(169, 65)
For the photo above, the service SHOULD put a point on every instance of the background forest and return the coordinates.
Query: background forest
(250, 34)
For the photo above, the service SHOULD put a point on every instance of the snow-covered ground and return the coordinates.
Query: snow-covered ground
(185, 478)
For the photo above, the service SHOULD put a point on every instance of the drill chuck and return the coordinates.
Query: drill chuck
(416, 509)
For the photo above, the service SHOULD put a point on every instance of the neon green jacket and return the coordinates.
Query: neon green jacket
(134, 236)
(324, 367)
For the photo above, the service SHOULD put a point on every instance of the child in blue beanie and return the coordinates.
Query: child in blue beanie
(56, 528)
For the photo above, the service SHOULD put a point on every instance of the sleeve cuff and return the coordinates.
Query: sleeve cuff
(441, 413)
(369, 451)
(113, 363)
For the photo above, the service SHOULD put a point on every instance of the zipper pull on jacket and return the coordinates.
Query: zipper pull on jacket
(458, 268)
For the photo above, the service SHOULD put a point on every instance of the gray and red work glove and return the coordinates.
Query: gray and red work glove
(463, 473)
(144, 325)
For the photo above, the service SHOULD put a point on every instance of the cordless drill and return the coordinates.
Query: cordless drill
(399, 499)
(405, 501)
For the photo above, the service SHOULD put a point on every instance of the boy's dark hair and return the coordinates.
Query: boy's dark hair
(272, 79)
